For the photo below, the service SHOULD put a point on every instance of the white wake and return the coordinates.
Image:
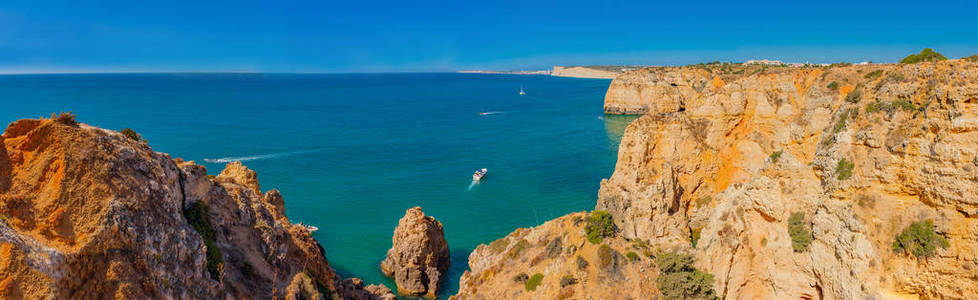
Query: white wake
(254, 157)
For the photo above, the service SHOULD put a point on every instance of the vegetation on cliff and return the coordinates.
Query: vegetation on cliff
(198, 216)
(843, 170)
(801, 234)
(567, 280)
(925, 55)
(533, 282)
(67, 118)
(833, 86)
(873, 74)
(890, 107)
(131, 134)
(679, 279)
(919, 239)
(600, 225)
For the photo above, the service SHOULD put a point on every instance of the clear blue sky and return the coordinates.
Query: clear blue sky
(382, 36)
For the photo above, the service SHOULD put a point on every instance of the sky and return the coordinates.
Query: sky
(39, 36)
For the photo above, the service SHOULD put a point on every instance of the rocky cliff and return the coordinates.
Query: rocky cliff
(418, 256)
(853, 182)
(585, 72)
(569, 267)
(90, 213)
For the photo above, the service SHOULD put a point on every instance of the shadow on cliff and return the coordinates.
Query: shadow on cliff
(5, 169)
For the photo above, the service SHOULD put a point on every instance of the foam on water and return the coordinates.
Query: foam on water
(255, 157)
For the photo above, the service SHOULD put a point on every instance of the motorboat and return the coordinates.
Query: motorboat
(479, 174)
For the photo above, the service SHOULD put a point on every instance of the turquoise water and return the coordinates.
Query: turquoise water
(352, 152)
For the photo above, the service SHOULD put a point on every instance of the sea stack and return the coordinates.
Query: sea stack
(419, 255)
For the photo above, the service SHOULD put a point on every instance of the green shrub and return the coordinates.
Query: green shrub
(694, 236)
(499, 245)
(776, 155)
(199, 218)
(973, 58)
(678, 279)
(521, 278)
(919, 239)
(854, 95)
(843, 170)
(581, 263)
(890, 107)
(925, 55)
(873, 74)
(875, 107)
(600, 225)
(895, 77)
(904, 104)
(841, 123)
(801, 235)
(567, 280)
(131, 134)
(632, 256)
(67, 118)
(534, 281)
(517, 249)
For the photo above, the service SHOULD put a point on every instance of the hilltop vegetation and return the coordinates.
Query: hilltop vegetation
(925, 55)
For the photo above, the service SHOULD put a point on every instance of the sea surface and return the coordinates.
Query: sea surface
(351, 152)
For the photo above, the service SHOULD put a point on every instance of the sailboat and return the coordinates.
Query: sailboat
(521, 90)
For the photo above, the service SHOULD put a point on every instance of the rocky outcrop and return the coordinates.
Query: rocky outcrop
(570, 266)
(585, 72)
(729, 154)
(419, 255)
(655, 90)
(90, 213)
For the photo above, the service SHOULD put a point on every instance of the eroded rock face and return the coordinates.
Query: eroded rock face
(725, 155)
(88, 213)
(419, 255)
(732, 156)
(654, 90)
(572, 267)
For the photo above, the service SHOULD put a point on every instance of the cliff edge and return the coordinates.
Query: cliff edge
(91, 213)
(850, 182)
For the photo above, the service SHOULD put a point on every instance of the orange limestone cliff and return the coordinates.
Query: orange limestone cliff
(852, 182)
(89, 213)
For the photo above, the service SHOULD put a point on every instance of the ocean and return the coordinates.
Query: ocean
(351, 152)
